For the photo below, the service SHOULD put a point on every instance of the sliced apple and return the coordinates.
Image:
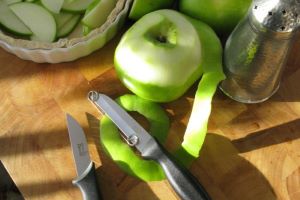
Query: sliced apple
(11, 22)
(62, 18)
(221, 15)
(12, 1)
(86, 30)
(68, 27)
(40, 21)
(77, 6)
(53, 5)
(97, 15)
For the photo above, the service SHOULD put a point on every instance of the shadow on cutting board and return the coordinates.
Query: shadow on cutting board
(227, 175)
(224, 173)
(8, 189)
(283, 133)
(110, 177)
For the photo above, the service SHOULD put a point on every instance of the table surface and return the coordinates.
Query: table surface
(250, 152)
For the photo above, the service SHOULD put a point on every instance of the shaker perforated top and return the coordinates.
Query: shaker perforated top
(276, 15)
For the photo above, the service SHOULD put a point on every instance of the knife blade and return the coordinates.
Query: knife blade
(86, 179)
(182, 181)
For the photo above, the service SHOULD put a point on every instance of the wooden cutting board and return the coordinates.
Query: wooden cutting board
(250, 152)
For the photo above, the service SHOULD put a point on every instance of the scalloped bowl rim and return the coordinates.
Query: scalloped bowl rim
(44, 55)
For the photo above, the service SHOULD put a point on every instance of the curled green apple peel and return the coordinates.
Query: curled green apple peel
(212, 75)
(120, 152)
(209, 66)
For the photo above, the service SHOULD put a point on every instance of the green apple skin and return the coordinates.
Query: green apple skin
(221, 15)
(178, 71)
(153, 92)
(141, 7)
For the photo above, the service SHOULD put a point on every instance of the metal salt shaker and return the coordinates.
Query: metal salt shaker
(256, 51)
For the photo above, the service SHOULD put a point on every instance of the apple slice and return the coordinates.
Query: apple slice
(68, 27)
(86, 30)
(12, 1)
(38, 19)
(11, 22)
(76, 6)
(53, 5)
(62, 18)
(98, 12)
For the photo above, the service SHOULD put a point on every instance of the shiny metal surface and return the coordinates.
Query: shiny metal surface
(276, 15)
(256, 51)
(79, 146)
(133, 133)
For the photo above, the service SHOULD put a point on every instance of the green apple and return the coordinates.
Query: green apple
(141, 7)
(221, 15)
(76, 6)
(159, 57)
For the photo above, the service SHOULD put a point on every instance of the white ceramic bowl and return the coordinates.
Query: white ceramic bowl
(71, 48)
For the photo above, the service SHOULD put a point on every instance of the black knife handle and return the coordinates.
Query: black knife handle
(88, 184)
(182, 181)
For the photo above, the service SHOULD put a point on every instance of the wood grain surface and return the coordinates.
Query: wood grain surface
(250, 152)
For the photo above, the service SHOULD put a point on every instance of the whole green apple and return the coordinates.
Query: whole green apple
(159, 57)
(141, 7)
(221, 15)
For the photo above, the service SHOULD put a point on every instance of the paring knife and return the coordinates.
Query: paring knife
(86, 175)
(182, 181)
